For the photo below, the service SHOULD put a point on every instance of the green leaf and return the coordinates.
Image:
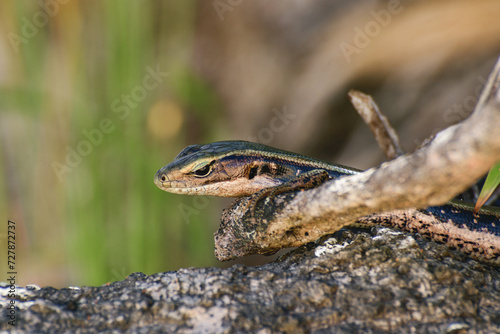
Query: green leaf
(491, 183)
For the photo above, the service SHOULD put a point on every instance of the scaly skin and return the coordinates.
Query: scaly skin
(240, 168)
(236, 169)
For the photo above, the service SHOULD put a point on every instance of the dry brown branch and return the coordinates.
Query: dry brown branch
(453, 161)
(384, 133)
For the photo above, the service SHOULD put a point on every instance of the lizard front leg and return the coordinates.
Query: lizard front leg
(307, 180)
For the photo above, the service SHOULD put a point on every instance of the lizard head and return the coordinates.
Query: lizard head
(225, 169)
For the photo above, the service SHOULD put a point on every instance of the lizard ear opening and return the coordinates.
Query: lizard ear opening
(265, 169)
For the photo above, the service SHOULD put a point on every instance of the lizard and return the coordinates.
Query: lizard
(242, 168)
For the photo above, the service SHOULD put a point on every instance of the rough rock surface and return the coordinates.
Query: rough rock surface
(355, 281)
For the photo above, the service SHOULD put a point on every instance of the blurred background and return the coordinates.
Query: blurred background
(95, 96)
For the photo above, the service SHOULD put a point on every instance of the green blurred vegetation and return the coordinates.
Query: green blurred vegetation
(103, 218)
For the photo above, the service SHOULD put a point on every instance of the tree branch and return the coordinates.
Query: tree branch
(384, 133)
(456, 158)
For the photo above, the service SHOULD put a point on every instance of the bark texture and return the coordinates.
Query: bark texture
(374, 281)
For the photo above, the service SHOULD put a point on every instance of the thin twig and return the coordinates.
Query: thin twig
(384, 133)
(491, 88)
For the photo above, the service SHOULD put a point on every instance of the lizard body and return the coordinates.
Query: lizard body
(241, 168)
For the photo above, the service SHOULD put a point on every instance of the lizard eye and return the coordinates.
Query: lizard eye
(203, 171)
